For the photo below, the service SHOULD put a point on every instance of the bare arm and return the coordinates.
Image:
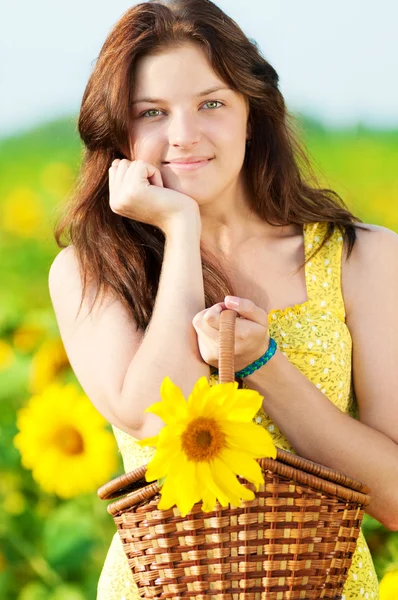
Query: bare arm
(119, 366)
(170, 344)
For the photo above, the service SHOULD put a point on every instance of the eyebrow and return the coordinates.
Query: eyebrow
(210, 90)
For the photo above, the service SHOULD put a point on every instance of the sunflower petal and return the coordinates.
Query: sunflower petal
(171, 435)
(198, 398)
(149, 441)
(208, 496)
(243, 465)
(209, 500)
(200, 389)
(221, 472)
(170, 392)
(162, 462)
(233, 498)
(207, 481)
(187, 484)
(211, 402)
(167, 495)
(244, 405)
(250, 438)
(173, 406)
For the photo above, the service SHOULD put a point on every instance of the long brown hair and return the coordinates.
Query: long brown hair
(125, 256)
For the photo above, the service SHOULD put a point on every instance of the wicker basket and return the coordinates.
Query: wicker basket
(294, 540)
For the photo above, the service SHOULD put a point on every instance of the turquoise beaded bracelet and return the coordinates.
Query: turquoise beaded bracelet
(257, 363)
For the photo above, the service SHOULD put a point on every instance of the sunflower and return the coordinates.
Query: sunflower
(389, 586)
(206, 442)
(50, 361)
(7, 355)
(23, 214)
(27, 336)
(63, 440)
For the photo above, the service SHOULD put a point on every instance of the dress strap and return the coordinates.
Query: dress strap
(323, 271)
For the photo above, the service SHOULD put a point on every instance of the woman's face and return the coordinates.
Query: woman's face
(185, 120)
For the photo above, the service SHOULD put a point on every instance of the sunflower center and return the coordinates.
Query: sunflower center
(202, 440)
(69, 441)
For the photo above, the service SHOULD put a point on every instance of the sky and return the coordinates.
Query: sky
(337, 61)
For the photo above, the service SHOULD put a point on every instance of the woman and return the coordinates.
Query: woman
(192, 193)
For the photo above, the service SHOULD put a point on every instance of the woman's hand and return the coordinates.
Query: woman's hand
(251, 332)
(136, 191)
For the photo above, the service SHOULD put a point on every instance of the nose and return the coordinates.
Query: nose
(183, 130)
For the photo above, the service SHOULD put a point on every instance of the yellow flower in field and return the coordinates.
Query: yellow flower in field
(14, 503)
(63, 440)
(389, 586)
(6, 355)
(47, 363)
(23, 214)
(26, 337)
(206, 442)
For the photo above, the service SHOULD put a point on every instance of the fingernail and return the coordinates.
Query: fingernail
(232, 301)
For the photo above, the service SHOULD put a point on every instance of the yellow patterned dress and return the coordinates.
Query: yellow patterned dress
(316, 339)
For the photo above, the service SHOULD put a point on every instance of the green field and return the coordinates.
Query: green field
(53, 539)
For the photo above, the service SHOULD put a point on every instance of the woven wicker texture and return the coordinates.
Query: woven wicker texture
(290, 542)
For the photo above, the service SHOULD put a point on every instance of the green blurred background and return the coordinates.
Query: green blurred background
(52, 545)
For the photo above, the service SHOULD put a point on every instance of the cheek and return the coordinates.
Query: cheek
(231, 153)
(230, 144)
(231, 127)
(147, 147)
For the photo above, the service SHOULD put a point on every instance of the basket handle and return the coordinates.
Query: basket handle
(226, 338)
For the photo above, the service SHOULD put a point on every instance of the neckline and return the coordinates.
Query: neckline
(296, 308)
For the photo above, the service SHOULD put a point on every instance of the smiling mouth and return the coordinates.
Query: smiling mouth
(192, 162)
(187, 166)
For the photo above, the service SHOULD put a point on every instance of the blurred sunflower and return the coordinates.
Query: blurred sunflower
(14, 503)
(63, 440)
(7, 355)
(22, 213)
(48, 362)
(389, 586)
(27, 336)
(207, 441)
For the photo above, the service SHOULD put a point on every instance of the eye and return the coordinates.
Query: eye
(214, 102)
(151, 110)
(145, 114)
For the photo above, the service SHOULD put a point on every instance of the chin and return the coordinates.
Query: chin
(194, 189)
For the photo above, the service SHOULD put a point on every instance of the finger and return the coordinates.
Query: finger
(111, 180)
(145, 172)
(156, 178)
(122, 167)
(212, 315)
(208, 332)
(247, 309)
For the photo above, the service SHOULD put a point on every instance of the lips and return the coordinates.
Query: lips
(187, 161)
(188, 165)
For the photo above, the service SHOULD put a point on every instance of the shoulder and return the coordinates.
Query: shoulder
(65, 263)
(373, 260)
(66, 274)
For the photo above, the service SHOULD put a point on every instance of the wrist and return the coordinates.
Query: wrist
(187, 220)
(259, 362)
(254, 366)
